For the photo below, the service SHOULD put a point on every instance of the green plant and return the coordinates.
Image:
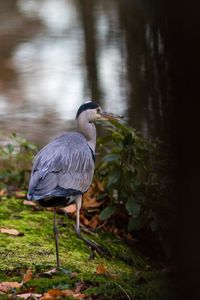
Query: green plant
(15, 161)
(130, 175)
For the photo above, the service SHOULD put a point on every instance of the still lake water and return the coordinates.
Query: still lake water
(56, 54)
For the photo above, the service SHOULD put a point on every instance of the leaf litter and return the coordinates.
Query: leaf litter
(52, 294)
(9, 231)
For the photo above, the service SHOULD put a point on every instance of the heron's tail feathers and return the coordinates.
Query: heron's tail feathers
(57, 197)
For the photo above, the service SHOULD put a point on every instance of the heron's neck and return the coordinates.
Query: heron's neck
(89, 131)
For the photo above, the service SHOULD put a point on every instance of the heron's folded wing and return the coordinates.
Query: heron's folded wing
(66, 162)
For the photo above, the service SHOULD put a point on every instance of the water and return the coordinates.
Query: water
(56, 54)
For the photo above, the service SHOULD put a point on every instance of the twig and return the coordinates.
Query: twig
(122, 290)
(100, 226)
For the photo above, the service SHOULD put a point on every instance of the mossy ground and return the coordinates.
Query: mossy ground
(128, 276)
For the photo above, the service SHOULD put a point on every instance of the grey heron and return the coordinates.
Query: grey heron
(63, 169)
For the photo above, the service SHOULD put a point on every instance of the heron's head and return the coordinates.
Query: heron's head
(92, 112)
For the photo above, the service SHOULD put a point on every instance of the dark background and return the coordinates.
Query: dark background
(184, 50)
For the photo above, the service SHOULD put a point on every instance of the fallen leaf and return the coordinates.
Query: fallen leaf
(3, 192)
(51, 272)
(29, 203)
(29, 295)
(20, 194)
(11, 231)
(94, 222)
(27, 277)
(79, 287)
(2, 293)
(101, 269)
(70, 209)
(84, 221)
(79, 296)
(99, 185)
(56, 294)
(92, 203)
(129, 237)
(67, 293)
(46, 296)
(6, 286)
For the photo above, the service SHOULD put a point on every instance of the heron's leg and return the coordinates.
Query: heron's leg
(55, 230)
(93, 246)
(78, 208)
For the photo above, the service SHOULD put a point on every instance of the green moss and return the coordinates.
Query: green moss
(35, 249)
(44, 283)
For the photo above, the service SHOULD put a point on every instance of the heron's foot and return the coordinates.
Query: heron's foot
(95, 248)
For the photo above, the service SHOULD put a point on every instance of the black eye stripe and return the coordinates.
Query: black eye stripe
(85, 106)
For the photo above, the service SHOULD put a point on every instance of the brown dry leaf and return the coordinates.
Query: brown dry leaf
(6, 286)
(3, 192)
(101, 269)
(20, 194)
(79, 296)
(67, 293)
(29, 295)
(10, 231)
(2, 293)
(47, 296)
(91, 202)
(129, 237)
(70, 209)
(79, 287)
(94, 222)
(84, 221)
(99, 185)
(30, 203)
(56, 294)
(87, 201)
(51, 272)
(28, 276)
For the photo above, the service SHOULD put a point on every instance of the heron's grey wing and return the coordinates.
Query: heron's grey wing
(66, 162)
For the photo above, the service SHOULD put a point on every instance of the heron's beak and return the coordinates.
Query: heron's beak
(108, 116)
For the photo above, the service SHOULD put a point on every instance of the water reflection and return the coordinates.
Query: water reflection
(50, 76)
(56, 16)
(56, 53)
